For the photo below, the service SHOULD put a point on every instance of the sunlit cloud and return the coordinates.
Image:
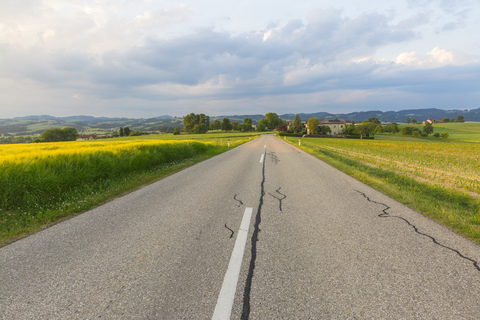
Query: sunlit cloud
(435, 58)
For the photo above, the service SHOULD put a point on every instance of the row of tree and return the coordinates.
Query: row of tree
(460, 118)
(200, 123)
(126, 132)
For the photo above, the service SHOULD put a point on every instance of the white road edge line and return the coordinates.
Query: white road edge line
(223, 309)
(262, 157)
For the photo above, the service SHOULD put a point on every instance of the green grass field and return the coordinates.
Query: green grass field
(458, 132)
(467, 131)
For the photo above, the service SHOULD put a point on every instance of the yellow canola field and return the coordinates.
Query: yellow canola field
(14, 153)
(34, 173)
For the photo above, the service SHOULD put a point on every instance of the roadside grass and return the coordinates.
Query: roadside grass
(40, 188)
(457, 208)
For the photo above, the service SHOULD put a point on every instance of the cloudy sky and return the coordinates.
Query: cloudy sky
(145, 58)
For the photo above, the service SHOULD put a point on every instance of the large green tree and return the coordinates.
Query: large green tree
(349, 129)
(226, 124)
(379, 128)
(365, 129)
(312, 125)
(247, 125)
(395, 128)
(428, 128)
(64, 134)
(273, 120)
(196, 123)
(297, 126)
(216, 125)
(70, 133)
(262, 125)
(374, 121)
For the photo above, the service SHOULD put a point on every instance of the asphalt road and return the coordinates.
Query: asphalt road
(319, 245)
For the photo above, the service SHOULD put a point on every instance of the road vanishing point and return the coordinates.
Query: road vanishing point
(263, 231)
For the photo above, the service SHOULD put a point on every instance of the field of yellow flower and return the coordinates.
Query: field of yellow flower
(33, 173)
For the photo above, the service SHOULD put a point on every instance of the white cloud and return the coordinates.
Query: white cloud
(164, 17)
(435, 58)
(102, 54)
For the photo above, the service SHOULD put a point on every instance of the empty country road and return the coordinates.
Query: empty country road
(264, 231)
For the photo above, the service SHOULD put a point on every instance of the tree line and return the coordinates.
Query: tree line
(200, 123)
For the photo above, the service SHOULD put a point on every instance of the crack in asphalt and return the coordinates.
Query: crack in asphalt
(251, 269)
(231, 236)
(239, 201)
(385, 214)
(279, 199)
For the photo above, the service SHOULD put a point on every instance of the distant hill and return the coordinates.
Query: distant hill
(34, 125)
(86, 119)
(385, 116)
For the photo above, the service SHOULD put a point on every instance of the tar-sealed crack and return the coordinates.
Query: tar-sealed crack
(232, 232)
(279, 199)
(385, 214)
(251, 269)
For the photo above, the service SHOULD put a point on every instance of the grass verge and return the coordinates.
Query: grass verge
(454, 209)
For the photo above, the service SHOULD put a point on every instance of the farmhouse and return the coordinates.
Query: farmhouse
(87, 137)
(431, 121)
(336, 125)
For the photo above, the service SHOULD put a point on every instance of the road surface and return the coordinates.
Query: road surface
(264, 231)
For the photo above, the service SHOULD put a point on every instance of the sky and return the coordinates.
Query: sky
(147, 58)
